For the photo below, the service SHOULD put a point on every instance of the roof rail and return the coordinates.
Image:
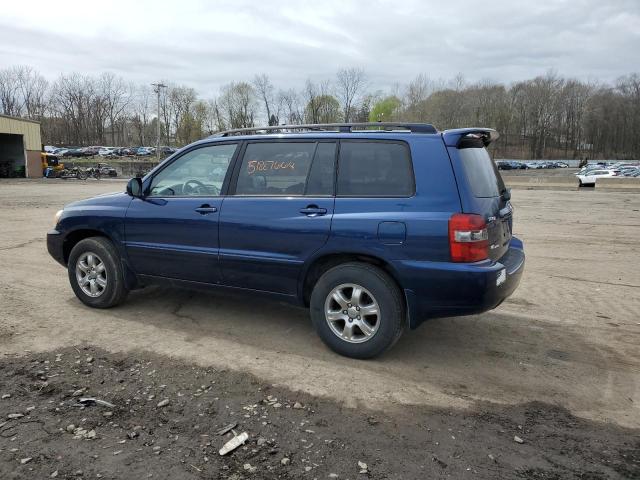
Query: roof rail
(333, 127)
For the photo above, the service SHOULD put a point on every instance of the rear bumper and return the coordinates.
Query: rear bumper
(443, 289)
(55, 241)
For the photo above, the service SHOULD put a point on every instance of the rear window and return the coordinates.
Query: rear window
(482, 173)
(375, 169)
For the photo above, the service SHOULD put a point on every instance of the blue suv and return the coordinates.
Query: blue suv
(374, 227)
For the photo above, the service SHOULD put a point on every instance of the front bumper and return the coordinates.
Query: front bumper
(444, 289)
(55, 242)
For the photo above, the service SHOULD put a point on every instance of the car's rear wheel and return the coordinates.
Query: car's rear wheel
(96, 273)
(357, 310)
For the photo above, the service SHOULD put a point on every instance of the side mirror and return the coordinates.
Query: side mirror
(134, 187)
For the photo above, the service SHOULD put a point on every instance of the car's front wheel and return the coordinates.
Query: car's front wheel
(96, 274)
(357, 310)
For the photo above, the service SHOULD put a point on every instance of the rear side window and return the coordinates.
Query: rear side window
(278, 168)
(375, 169)
(481, 172)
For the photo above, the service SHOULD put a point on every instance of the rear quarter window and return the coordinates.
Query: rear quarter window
(481, 172)
(375, 169)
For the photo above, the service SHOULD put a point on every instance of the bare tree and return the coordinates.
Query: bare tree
(290, 103)
(142, 108)
(181, 100)
(349, 85)
(315, 97)
(10, 103)
(544, 117)
(116, 96)
(33, 92)
(264, 88)
(238, 102)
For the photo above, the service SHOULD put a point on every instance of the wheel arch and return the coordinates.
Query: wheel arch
(319, 265)
(73, 237)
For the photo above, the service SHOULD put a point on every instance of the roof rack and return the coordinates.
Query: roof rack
(333, 127)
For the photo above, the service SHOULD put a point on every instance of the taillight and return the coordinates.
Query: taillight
(468, 238)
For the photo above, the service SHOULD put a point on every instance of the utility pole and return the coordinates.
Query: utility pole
(156, 88)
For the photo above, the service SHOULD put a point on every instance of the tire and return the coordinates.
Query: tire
(377, 288)
(107, 275)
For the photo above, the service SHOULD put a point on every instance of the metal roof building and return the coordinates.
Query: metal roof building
(20, 146)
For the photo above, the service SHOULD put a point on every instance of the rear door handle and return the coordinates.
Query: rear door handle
(313, 211)
(206, 209)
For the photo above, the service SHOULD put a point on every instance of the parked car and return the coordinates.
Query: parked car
(145, 151)
(628, 171)
(166, 151)
(588, 168)
(73, 152)
(107, 151)
(355, 224)
(590, 177)
(534, 165)
(107, 170)
(510, 165)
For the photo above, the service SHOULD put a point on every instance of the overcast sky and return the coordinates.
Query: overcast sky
(205, 44)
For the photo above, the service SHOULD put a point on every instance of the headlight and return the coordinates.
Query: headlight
(57, 216)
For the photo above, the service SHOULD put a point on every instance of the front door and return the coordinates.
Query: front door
(173, 231)
(278, 214)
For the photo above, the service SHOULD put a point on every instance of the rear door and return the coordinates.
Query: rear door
(277, 214)
(482, 192)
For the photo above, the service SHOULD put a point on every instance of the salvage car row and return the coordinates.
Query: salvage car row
(589, 174)
(515, 165)
(107, 151)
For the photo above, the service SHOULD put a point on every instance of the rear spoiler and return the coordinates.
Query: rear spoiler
(469, 137)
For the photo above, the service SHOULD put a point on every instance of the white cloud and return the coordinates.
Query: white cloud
(206, 44)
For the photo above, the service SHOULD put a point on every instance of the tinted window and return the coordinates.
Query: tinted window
(199, 172)
(481, 172)
(277, 168)
(375, 169)
(322, 174)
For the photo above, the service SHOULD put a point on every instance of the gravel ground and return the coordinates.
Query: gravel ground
(560, 359)
(165, 417)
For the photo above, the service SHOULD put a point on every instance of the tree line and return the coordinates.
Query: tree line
(548, 116)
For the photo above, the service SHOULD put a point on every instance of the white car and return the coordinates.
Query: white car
(589, 178)
(105, 151)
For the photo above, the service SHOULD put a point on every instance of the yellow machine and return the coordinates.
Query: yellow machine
(50, 163)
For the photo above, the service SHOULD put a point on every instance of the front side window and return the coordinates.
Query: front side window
(278, 168)
(375, 169)
(197, 173)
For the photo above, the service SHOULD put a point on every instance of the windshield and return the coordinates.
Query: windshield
(482, 173)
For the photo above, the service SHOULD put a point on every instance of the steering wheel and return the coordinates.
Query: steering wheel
(198, 187)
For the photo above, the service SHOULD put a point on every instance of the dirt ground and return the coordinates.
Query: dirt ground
(291, 435)
(560, 359)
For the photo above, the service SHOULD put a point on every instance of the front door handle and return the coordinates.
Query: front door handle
(313, 211)
(206, 209)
